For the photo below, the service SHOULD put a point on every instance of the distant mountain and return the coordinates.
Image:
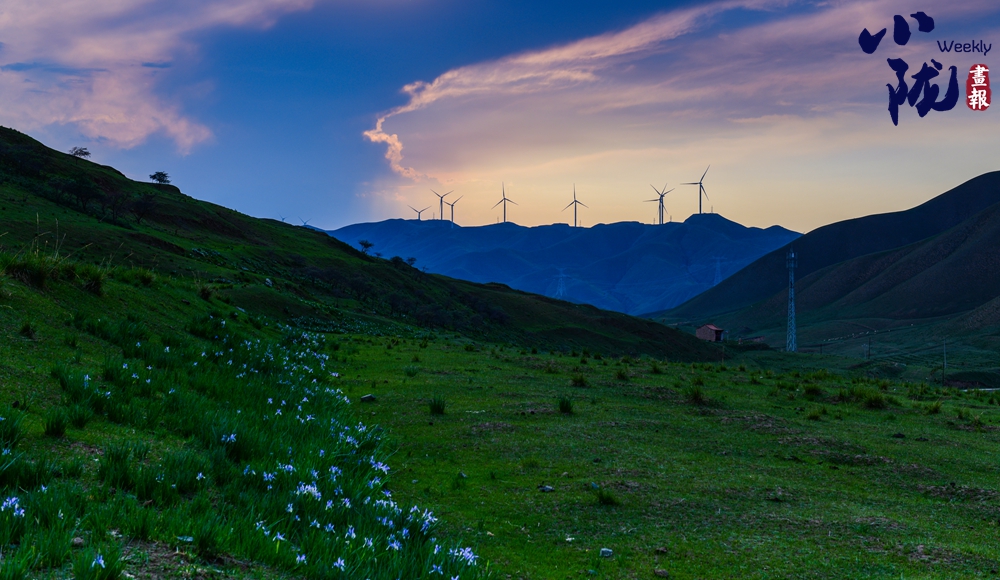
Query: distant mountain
(842, 241)
(627, 266)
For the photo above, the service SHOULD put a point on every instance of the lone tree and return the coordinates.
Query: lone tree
(80, 152)
(411, 261)
(365, 246)
(160, 177)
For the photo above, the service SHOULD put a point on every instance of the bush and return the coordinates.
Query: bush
(565, 405)
(55, 422)
(655, 368)
(437, 405)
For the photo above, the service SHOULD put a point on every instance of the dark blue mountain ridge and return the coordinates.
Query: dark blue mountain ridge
(626, 266)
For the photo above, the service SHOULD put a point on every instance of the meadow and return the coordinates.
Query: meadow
(768, 466)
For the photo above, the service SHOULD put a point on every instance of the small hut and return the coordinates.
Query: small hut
(710, 332)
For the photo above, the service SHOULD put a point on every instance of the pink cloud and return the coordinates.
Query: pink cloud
(81, 62)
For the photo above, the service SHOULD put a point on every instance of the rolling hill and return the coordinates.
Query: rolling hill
(55, 204)
(628, 267)
(841, 241)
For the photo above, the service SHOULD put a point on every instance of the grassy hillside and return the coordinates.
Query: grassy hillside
(902, 306)
(842, 241)
(58, 204)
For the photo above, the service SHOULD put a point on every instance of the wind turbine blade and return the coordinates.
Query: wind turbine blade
(583, 204)
(704, 174)
(654, 189)
(498, 203)
(449, 193)
(512, 201)
(695, 183)
(664, 189)
(646, 200)
(411, 207)
(456, 201)
(705, 191)
(426, 208)
(568, 206)
(666, 192)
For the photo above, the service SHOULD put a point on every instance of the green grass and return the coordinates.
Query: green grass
(742, 483)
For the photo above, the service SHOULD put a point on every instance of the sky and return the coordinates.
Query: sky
(334, 112)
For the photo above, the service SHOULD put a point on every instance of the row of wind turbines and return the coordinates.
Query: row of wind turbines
(661, 194)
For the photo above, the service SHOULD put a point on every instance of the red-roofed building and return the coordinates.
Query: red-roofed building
(711, 333)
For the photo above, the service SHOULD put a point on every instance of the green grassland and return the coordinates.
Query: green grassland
(709, 470)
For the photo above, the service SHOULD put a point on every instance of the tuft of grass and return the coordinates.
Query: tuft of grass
(27, 330)
(437, 405)
(104, 563)
(655, 368)
(816, 413)
(56, 421)
(813, 392)
(695, 395)
(79, 416)
(565, 405)
(411, 370)
(11, 432)
(606, 498)
(579, 381)
(934, 408)
(91, 278)
(622, 374)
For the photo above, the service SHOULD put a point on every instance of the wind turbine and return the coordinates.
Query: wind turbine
(419, 211)
(452, 206)
(661, 195)
(574, 203)
(504, 201)
(441, 201)
(701, 188)
(305, 222)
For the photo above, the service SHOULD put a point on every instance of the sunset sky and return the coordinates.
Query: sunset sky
(343, 111)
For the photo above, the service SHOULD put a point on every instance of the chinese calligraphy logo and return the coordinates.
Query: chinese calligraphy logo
(923, 94)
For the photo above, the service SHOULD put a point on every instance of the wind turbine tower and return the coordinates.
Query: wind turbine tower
(661, 193)
(504, 200)
(574, 203)
(419, 211)
(790, 341)
(441, 201)
(452, 206)
(701, 187)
